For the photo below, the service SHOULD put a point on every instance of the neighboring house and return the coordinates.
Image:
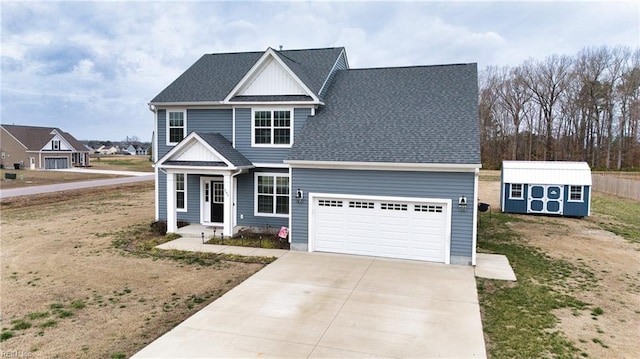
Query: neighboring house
(131, 149)
(539, 187)
(104, 150)
(41, 148)
(380, 161)
(141, 151)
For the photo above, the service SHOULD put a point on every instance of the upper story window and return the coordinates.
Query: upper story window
(516, 191)
(55, 145)
(272, 128)
(176, 126)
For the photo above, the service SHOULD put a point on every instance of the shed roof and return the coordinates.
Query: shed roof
(546, 172)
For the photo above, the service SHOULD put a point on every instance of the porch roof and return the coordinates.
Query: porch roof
(202, 150)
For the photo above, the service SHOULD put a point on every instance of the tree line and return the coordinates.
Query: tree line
(584, 107)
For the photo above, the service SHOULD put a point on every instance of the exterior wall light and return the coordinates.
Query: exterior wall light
(462, 203)
(299, 195)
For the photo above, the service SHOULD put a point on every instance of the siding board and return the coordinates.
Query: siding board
(447, 185)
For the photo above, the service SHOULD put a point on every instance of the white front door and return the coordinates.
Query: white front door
(32, 163)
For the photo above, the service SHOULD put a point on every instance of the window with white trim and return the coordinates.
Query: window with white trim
(575, 193)
(55, 145)
(272, 128)
(272, 194)
(181, 191)
(176, 126)
(516, 191)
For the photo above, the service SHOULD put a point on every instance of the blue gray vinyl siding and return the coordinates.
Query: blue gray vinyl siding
(203, 120)
(264, 154)
(569, 208)
(246, 202)
(445, 185)
(193, 199)
(341, 64)
(211, 120)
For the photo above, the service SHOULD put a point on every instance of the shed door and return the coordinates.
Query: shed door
(395, 229)
(545, 199)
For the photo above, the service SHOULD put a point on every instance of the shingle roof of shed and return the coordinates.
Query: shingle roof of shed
(426, 114)
(213, 76)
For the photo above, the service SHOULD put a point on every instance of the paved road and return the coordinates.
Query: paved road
(14, 192)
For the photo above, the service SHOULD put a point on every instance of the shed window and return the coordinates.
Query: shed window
(516, 191)
(575, 193)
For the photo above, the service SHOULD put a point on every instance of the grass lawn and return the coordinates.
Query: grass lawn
(25, 178)
(122, 163)
(517, 317)
(618, 215)
(520, 318)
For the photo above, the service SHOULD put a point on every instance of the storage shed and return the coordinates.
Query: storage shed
(541, 187)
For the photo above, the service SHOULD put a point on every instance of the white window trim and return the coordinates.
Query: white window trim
(255, 194)
(511, 196)
(166, 118)
(581, 195)
(185, 192)
(272, 109)
(53, 145)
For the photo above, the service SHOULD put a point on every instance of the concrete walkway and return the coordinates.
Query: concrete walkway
(319, 305)
(24, 191)
(107, 172)
(494, 266)
(194, 244)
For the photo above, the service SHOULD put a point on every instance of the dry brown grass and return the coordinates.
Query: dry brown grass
(82, 296)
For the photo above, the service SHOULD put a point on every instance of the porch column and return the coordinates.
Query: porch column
(172, 226)
(228, 205)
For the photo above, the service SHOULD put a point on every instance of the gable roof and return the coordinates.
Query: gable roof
(424, 114)
(546, 172)
(214, 76)
(34, 138)
(217, 152)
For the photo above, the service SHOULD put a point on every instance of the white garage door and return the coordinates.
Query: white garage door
(396, 229)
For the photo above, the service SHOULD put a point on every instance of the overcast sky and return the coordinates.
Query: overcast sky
(90, 68)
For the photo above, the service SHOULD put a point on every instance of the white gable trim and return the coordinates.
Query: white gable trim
(186, 144)
(342, 53)
(64, 145)
(385, 166)
(257, 69)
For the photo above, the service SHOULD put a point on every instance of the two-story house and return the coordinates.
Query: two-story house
(379, 161)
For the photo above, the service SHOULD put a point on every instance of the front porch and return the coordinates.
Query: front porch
(196, 230)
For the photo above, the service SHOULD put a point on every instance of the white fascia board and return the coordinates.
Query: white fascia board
(197, 169)
(270, 165)
(385, 166)
(176, 149)
(249, 75)
(204, 104)
(273, 103)
(333, 67)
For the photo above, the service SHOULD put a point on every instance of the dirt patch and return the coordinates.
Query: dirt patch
(614, 264)
(80, 296)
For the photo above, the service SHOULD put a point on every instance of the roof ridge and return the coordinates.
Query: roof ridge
(411, 66)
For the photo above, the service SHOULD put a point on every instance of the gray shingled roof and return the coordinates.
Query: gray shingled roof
(35, 137)
(426, 114)
(224, 147)
(213, 76)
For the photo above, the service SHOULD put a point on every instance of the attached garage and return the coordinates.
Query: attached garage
(54, 163)
(406, 228)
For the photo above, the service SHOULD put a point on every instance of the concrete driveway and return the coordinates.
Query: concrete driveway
(313, 305)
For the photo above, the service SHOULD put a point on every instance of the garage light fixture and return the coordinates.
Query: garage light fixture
(462, 203)
(299, 195)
